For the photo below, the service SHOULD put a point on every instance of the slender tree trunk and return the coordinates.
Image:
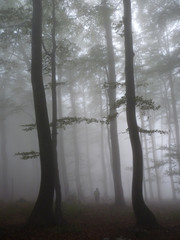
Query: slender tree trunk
(58, 214)
(173, 102)
(108, 133)
(116, 167)
(76, 149)
(175, 114)
(87, 149)
(4, 160)
(144, 141)
(148, 168)
(171, 169)
(168, 115)
(143, 215)
(109, 147)
(88, 161)
(63, 169)
(154, 155)
(42, 213)
(144, 182)
(104, 170)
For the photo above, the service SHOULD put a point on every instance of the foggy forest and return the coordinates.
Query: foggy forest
(89, 119)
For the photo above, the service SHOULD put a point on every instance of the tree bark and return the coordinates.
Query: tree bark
(144, 216)
(42, 213)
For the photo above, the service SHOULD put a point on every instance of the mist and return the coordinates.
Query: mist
(85, 88)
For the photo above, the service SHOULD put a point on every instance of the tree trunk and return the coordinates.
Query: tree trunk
(87, 149)
(42, 213)
(154, 155)
(63, 168)
(144, 216)
(103, 163)
(147, 160)
(175, 115)
(116, 167)
(144, 182)
(4, 159)
(58, 214)
(76, 149)
(168, 115)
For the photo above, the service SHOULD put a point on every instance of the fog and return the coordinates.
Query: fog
(84, 112)
(24, 175)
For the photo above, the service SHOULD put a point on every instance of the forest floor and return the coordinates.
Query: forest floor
(89, 222)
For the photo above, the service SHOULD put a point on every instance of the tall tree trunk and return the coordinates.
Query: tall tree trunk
(58, 214)
(147, 160)
(63, 167)
(171, 169)
(116, 167)
(87, 149)
(143, 215)
(168, 115)
(103, 164)
(144, 182)
(154, 159)
(173, 101)
(175, 115)
(4, 159)
(76, 149)
(42, 213)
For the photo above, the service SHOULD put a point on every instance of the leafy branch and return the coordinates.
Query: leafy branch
(150, 132)
(63, 122)
(27, 155)
(143, 104)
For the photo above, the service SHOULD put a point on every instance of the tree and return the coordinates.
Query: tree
(58, 214)
(75, 145)
(42, 213)
(142, 213)
(162, 59)
(111, 75)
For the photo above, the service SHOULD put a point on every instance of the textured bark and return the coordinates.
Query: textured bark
(144, 216)
(42, 213)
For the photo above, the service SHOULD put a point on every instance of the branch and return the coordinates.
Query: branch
(45, 49)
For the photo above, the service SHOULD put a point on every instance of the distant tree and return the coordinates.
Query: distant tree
(161, 55)
(75, 145)
(111, 75)
(58, 214)
(42, 213)
(143, 215)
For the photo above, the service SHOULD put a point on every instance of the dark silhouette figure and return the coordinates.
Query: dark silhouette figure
(97, 195)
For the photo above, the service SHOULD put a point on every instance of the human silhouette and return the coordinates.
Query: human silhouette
(97, 195)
